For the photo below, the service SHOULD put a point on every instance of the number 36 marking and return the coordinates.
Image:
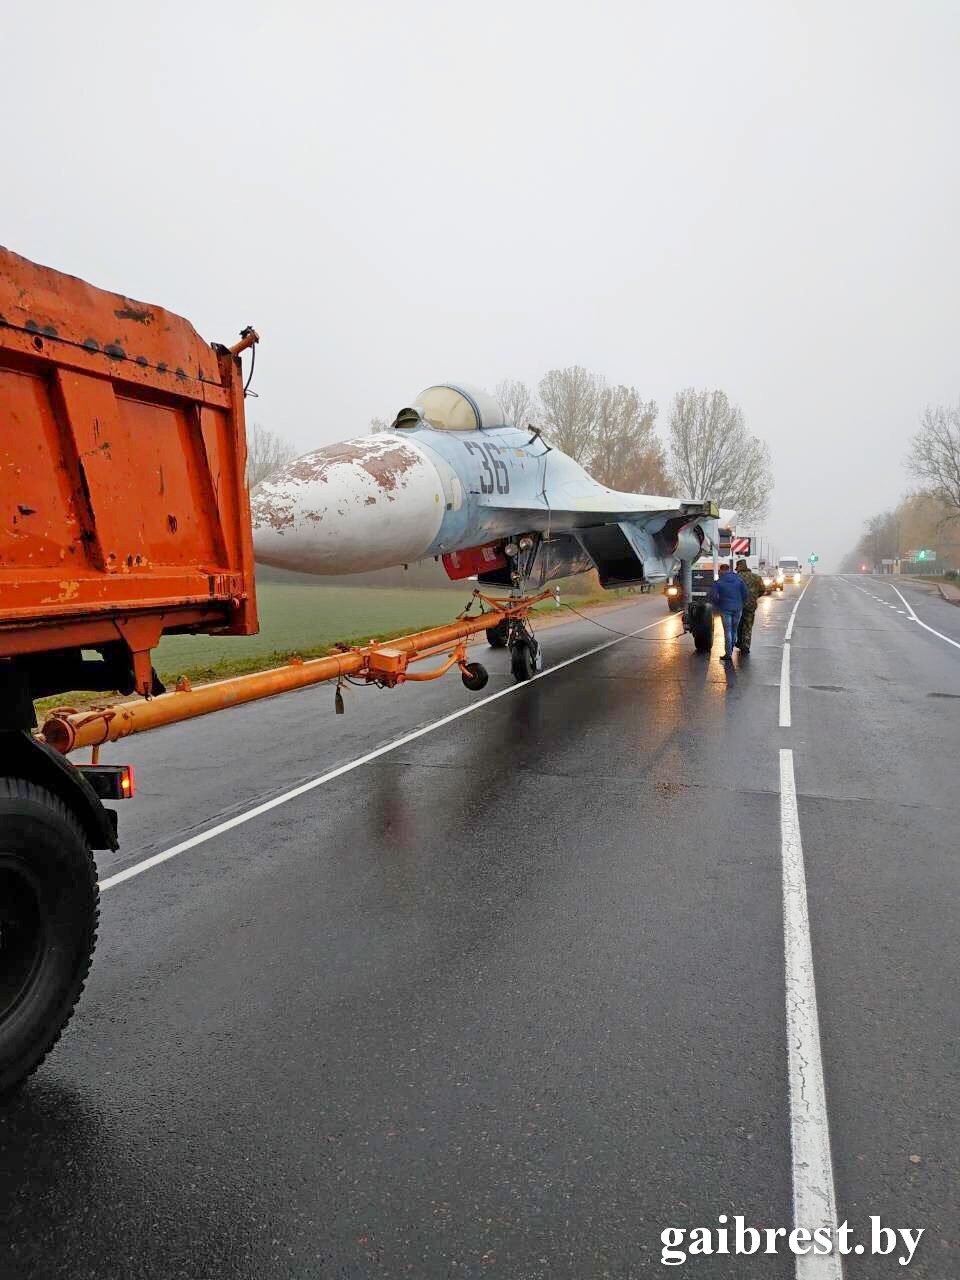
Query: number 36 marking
(495, 474)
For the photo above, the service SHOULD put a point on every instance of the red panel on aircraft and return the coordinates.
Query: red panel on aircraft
(474, 560)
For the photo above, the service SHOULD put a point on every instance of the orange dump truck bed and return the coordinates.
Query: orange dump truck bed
(123, 505)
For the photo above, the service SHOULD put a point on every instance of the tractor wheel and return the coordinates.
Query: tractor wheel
(474, 676)
(49, 908)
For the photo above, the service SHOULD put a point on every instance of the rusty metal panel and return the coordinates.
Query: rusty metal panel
(122, 457)
(100, 453)
(40, 526)
(153, 346)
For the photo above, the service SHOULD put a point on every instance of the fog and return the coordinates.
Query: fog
(760, 197)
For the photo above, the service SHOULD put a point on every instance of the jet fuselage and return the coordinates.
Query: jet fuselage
(418, 491)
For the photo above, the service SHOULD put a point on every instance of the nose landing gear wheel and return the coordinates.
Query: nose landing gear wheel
(525, 658)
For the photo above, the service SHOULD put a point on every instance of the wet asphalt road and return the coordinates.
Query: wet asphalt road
(508, 1000)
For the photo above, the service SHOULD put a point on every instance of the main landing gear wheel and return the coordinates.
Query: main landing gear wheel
(525, 660)
(701, 627)
(474, 676)
(498, 636)
(49, 907)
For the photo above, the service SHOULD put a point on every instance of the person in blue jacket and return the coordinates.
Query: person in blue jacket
(728, 596)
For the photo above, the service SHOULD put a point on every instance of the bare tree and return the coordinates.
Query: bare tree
(916, 522)
(378, 424)
(934, 456)
(516, 402)
(625, 452)
(570, 400)
(880, 540)
(882, 536)
(713, 456)
(266, 453)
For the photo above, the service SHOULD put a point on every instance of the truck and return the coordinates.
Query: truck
(124, 516)
(791, 568)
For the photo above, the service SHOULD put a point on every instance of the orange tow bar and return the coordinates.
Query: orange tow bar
(384, 664)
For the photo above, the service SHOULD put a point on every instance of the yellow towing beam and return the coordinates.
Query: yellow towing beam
(386, 664)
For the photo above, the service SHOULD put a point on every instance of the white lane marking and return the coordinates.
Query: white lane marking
(913, 616)
(239, 819)
(785, 662)
(909, 609)
(793, 612)
(814, 1196)
(785, 687)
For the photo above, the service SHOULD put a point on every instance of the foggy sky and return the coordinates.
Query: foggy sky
(758, 196)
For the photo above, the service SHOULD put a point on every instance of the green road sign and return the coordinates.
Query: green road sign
(926, 554)
(814, 558)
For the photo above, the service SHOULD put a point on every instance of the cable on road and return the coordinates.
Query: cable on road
(627, 635)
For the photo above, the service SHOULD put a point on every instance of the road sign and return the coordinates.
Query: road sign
(741, 546)
(813, 557)
(926, 554)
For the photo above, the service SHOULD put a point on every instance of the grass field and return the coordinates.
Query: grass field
(302, 618)
(305, 619)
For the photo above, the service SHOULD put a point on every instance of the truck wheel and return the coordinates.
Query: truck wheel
(523, 659)
(497, 636)
(49, 909)
(701, 626)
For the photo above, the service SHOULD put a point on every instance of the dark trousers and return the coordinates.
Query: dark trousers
(745, 630)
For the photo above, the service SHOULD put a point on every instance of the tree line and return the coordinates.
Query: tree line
(612, 431)
(927, 517)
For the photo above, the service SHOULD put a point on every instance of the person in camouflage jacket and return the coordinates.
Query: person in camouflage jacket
(755, 590)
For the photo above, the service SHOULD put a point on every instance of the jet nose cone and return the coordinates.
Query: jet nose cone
(364, 504)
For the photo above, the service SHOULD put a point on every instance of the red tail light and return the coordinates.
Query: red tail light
(110, 781)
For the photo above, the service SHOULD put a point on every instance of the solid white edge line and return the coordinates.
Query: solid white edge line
(785, 687)
(239, 819)
(912, 615)
(814, 1196)
(793, 612)
(785, 662)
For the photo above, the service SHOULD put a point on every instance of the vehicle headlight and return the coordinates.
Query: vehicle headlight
(672, 591)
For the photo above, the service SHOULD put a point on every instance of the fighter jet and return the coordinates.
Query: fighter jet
(452, 480)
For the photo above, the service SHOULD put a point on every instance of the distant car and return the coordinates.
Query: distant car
(773, 579)
(674, 594)
(791, 569)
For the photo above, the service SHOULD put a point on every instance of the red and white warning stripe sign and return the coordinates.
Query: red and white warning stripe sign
(741, 546)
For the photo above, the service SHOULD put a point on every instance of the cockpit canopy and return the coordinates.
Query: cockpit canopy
(450, 407)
